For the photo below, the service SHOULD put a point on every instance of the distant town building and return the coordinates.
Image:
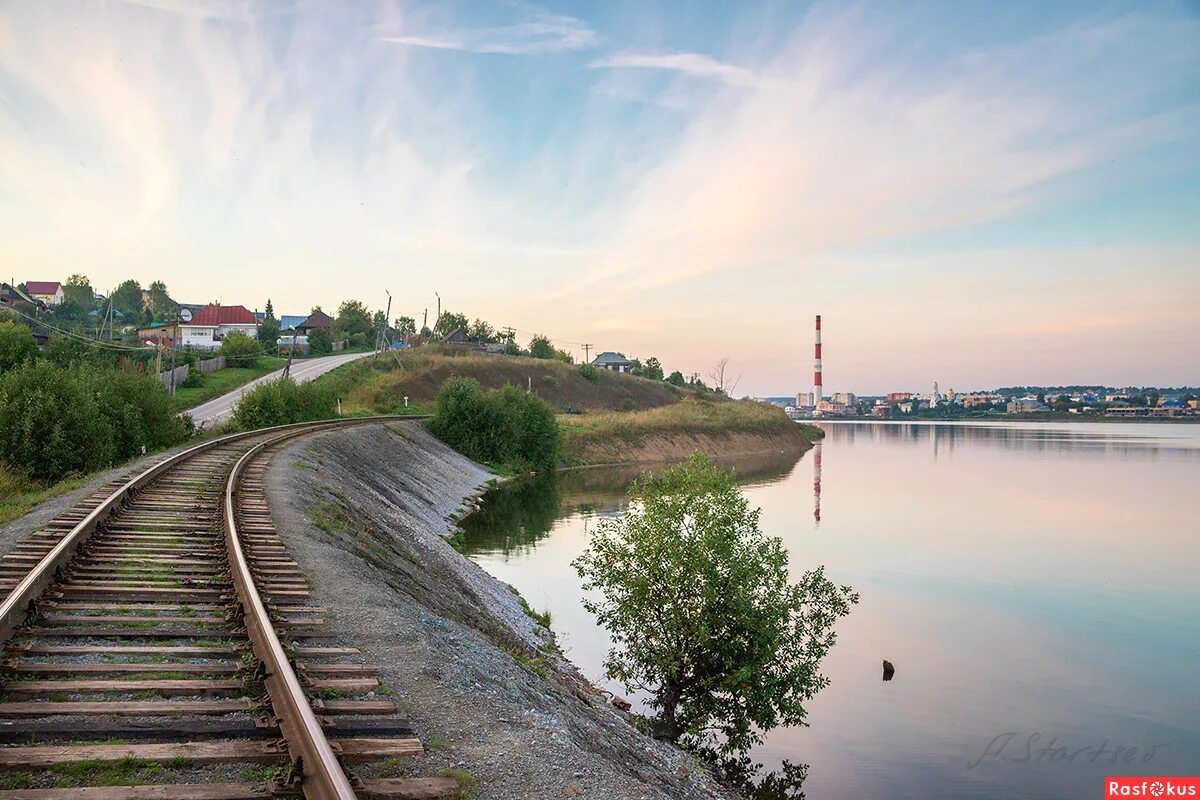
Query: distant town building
(845, 398)
(49, 292)
(614, 362)
(882, 411)
(973, 400)
(804, 400)
(899, 397)
(11, 296)
(1022, 405)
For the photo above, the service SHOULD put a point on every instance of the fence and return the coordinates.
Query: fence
(181, 372)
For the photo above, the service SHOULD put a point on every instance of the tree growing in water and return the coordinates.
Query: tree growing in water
(702, 614)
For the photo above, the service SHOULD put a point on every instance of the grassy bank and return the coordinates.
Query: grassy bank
(420, 373)
(20, 495)
(222, 381)
(721, 428)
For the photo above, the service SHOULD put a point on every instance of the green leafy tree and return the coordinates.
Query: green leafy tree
(17, 345)
(589, 373)
(652, 369)
(480, 331)
(352, 318)
(449, 322)
(676, 379)
(78, 292)
(405, 327)
(161, 306)
(540, 347)
(268, 331)
(506, 426)
(127, 299)
(318, 342)
(701, 611)
(240, 350)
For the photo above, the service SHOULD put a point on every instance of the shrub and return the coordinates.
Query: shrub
(506, 426)
(589, 373)
(540, 347)
(55, 421)
(194, 379)
(17, 345)
(318, 342)
(358, 339)
(240, 350)
(282, 402)
(702, 612)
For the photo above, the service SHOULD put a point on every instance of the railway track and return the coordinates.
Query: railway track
(159, 642)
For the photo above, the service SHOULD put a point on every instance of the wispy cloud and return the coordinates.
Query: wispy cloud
(850, 138)
(693, 64)
(546, 33)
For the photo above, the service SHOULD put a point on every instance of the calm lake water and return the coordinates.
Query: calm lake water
(1037, 587)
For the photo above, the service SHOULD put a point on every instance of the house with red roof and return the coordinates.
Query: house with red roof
(211, 324)
(49, 292)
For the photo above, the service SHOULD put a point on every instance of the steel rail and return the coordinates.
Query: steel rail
(15, 606)
(322, 776)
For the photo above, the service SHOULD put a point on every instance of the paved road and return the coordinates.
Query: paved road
(308, 369)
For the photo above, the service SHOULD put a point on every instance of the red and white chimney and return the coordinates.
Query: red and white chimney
(817, 396)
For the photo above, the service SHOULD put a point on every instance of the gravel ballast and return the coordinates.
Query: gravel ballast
(366, 512)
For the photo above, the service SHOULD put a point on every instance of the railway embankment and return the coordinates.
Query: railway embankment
(366, 513)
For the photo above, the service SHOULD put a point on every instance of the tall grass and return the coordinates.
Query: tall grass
(686, 416)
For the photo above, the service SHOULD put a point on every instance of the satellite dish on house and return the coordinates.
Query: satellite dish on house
(185, 315)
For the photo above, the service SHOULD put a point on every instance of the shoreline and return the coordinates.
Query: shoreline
(369, 514)
(1043, 419)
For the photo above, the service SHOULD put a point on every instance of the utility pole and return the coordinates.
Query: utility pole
(287, 368)
(587, 354)
(174, 348)
(438, 318)
(425, 321)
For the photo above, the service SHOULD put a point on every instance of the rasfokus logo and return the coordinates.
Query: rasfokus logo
(1152, 786)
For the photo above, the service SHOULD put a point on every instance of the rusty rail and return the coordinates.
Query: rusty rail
(322, 775)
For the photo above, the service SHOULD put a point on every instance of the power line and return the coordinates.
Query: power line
(80, 337)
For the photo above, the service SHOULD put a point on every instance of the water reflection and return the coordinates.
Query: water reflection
(1035, 579)
(522, 512)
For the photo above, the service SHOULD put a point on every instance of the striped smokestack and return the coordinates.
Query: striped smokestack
(817, 396)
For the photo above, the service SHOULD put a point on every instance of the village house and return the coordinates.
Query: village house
(614, 362)
(49, 292)
(316, 321)
(212, 324)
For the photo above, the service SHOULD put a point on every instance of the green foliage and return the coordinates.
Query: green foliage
(56, 421)
(77, 290)
(358, 339)
(17, 345)
(268, 331)
(449, 322)
(282, 402)
(162, 307)
(481, 331)
(318, 341)
(352, 318)
(676, 379)
(540, 347)
(506, 426)
(588, 372)
(652, 369)
(405, 326)
(66, 350)
(127, 298)
(701, 612)
(240, 350)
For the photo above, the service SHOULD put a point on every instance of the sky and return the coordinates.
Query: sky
(982, 194)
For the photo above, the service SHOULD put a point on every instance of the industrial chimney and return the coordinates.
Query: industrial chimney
(817, 396)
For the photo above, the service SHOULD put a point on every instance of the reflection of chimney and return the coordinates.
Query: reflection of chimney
(817, 396)
(817, 482)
